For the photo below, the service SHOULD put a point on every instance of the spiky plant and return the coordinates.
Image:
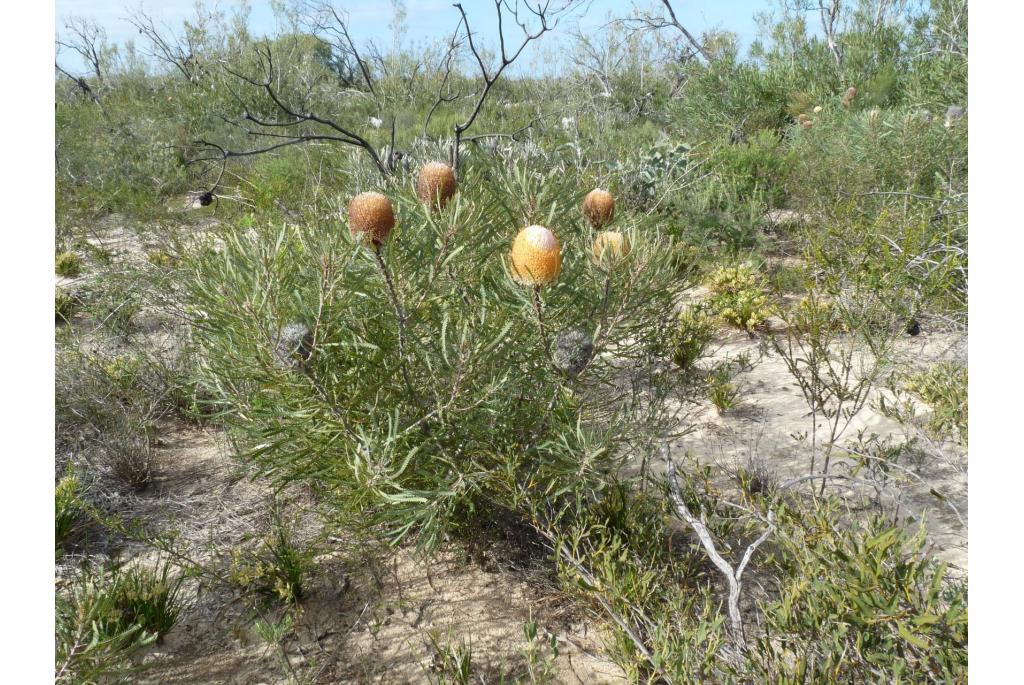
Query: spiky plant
(432, 393)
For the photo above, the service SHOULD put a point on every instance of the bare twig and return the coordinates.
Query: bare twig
(646, 21)
(734, 577)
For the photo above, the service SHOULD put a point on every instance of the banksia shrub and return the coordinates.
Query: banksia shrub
(609, 247)
(437, 388)
(436, 185)
(370, 217)
(536, 256)
(599, 207)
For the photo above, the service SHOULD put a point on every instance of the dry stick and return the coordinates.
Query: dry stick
(538, 309)
(734, 577)
(400, 315)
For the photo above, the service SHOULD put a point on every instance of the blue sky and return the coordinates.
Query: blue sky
(427, 20)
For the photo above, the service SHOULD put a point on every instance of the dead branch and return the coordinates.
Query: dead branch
(81, 83)
(444, 89)
(89, 40)
(180, 53)
(548, 18)
(331, 28)
(287, 131)
(645, 21)
(829, 18)
(734, 577)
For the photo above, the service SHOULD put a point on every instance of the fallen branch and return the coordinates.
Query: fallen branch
(733, 576)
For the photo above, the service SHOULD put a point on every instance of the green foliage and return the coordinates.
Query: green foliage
(279, 566)
(649, 174)
(759, 168)
(69, 509)
(944, 387)
(722, 392)
(64, 304)
(738, 296)
(429, 377)
(695, 331)
(452, 664)
(148, 597)
(898, 261)
(105, 615)
(68, 264)
(861, 604)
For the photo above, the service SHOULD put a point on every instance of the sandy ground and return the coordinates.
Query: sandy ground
(369, 620)
(772, 411)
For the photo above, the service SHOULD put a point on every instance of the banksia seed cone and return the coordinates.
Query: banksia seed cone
(536, 256)
(436, 184)
(370, 216)
(572, 351)
(599, 207)
(610, 246)
(293, 346)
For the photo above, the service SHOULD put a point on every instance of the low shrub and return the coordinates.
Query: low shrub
(64, 305)
(104, 615)
(738, 296)
(280, 565)
(106, 407)
(944, 387)
(68, 264)
(694, 333)
(722, 392)
(69, 511)
(861, 604)
(758, 168)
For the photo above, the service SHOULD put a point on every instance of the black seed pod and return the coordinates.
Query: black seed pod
(913, 327)
(293, 346)
(572, 351)
(206, 199)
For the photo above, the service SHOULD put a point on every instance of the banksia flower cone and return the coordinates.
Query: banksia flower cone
(536, 256)
(599, 207)
(610, 246)
(436, 184)
(371, 217)
(851, 93)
